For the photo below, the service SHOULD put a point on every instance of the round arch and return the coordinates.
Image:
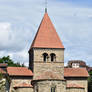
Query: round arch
(53, 57)
(45, 57)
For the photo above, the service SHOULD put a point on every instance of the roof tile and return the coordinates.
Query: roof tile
(46, 36)
(2, 71)
(19, 71)
(3, 65)
(75, 72)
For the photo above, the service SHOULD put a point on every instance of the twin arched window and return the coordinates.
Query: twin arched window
(53, 89)
(46, 56)
(53, 57)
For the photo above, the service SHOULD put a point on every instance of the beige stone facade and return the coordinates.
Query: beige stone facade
(39, 66)
(15, 82)
(38, 54)
(57, 69)
(75, 90)
(24, 90)
(46, 85)
(81, 81)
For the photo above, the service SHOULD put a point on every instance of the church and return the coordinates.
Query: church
(46, 72)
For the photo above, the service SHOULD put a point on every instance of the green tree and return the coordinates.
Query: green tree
(90, 82)
(10, 62)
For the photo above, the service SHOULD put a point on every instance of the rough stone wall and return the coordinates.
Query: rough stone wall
(56, 68)
(40, 66)
(24, 90)
(3, 85)
(75, 90)
(45, 86)
(18, 81)
(39, 57)
(81, 81)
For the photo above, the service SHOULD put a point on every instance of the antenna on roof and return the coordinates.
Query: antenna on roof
(45, 6)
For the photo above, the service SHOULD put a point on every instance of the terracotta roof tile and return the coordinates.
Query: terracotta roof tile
(75, 72)
(46, 36)
(23, 85)
(3, 65)
(19, 71)
(73, 85)
(68, 72)
(2, 71)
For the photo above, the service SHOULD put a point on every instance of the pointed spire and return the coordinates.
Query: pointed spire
(46, 36)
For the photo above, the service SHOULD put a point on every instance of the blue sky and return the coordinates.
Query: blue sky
(20, 19)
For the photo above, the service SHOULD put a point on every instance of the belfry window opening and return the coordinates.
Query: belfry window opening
(53, 57)
(53, 89)
(45, 57)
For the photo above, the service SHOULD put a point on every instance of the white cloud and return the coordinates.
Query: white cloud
(10, 39)
(4, 32)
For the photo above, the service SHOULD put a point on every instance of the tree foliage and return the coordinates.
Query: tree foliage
(90, 82)
(10, 62)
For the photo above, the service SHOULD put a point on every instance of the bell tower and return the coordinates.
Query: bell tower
(46, 53)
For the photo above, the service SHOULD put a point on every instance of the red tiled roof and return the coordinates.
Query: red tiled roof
(19, 71)
(2, 71)
(68, 72)
(75, 72)
(48, 75)
(73, 85)
(23, 85)
(3, 65)
(46, 36)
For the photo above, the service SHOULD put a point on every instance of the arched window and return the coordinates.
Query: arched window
(45, 57)
(53, 89)
(37, 89)
(53, 57)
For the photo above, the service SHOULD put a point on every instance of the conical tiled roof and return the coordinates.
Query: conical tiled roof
(46, 36)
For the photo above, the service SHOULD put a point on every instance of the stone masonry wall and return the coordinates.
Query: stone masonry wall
(38, 54)
(81, 82)
(2, 85)
(56, 67)
(75, 90)
(45, 86)
(24, 90)
(18, 81)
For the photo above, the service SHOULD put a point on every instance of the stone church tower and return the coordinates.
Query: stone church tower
(46, 58)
